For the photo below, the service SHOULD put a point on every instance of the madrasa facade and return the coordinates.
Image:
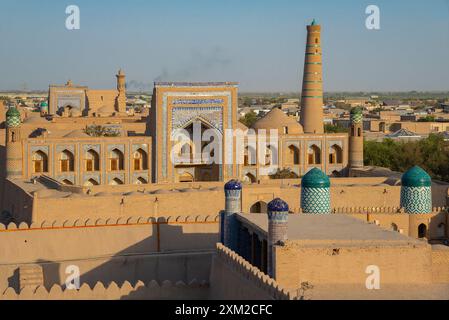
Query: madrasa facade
(85, 137)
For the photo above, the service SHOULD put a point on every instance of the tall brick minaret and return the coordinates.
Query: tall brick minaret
(312, 86)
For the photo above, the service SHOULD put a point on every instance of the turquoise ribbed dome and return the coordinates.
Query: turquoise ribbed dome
(416, 177)
(315, 178)
(44, 104)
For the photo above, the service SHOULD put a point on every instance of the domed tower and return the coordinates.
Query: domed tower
(416, 193)
(315, 192)
(44, 108)
(13, 144)
(121, 87)
(233, 194)
(277, 229)
(312, 85)
(356, 138)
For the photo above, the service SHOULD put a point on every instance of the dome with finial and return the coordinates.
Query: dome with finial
(315, 178)
(356, 115)
(277, 205)
(233, 185)
(416, 177)
(13, 117)
(313, 22)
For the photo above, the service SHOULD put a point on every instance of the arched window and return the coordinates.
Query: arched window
(259, 207)
(359, 132)
(314, 155)
(422, 230)
(394, 227)
(116, 160)
(316, 40)
(92, 161)
(292, 155)
(66, 161)
(40, 162)
(140, 160)
(335, 154)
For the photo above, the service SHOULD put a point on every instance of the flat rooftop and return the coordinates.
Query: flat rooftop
(332, 227)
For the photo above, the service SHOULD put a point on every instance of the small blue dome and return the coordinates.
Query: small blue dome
(315, 178)
(233, 185)
(277, 205)
(416, 177)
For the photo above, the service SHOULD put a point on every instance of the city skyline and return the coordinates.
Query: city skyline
(259, 45)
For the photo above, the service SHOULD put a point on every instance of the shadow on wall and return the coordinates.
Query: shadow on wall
(168, 254)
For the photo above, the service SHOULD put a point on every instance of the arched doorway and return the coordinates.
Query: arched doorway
(259, 207)
(394, 227)
(314, 155)
(335, 154)
(140, 160)
(292, 156)
(422, 230)
(116, 160)
(92, 161)
(66, 161)
(40, 162)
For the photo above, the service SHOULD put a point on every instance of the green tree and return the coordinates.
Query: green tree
(285, 173)
(249, 119)
(330, 128)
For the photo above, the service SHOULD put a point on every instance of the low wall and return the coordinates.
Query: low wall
(124, 248)
(149, 291)
(331, 262)
(440, 264)
(234, 278)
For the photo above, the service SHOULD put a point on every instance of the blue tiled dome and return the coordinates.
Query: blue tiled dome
(277, 205)
(416, 177)
(233, 185)
(315, 178)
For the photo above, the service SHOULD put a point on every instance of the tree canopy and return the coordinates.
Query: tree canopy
(432, 154)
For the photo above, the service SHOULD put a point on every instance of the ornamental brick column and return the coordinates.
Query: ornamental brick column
(228, 223)
(312, 85)
(277, 230)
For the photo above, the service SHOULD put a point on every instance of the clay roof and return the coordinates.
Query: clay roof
(277, 119)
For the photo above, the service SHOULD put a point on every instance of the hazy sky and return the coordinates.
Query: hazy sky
(259, 43)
